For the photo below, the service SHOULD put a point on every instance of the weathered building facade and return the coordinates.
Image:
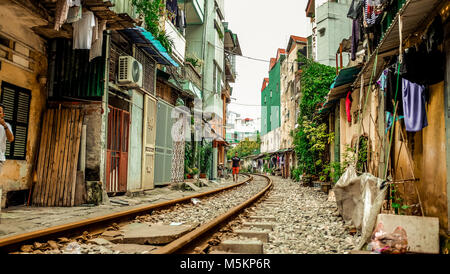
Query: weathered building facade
(406, 157)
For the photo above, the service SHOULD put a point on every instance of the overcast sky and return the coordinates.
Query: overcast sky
(262, 27)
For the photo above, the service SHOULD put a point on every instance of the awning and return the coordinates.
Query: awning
(145, 40)
(340, 86)
(188, 85)
(415, 14)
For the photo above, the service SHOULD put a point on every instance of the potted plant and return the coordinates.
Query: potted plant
(189, 173)
(195, 172)
(307, 179)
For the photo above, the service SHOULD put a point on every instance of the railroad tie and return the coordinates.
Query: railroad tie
(241, 247)
(258, 225)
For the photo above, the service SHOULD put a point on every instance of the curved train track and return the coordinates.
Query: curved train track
(191, 242)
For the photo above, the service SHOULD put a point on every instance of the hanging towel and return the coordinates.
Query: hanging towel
(82, 31)
(96, 48)
(348, 106)
(355, 38)
(414, 106)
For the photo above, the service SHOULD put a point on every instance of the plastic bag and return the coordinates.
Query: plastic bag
(389, 243)
(73, 248)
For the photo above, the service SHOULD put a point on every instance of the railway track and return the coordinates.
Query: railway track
(236, 198)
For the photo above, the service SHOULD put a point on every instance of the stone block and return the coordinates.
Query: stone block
(422, 232)
(258, 225)
(242, 247)
(191, 185)
(263, 236)
(266, 218)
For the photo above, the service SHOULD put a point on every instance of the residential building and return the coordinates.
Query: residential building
(329, 26)
(290, 99)
(207, 38)
(290, 93)
(397, 153)
(239, 129)
(270, 104)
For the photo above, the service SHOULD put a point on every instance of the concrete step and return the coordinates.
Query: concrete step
(263, 217)
(191, 185)
(242, 247)
(261, 225)
(263, 236)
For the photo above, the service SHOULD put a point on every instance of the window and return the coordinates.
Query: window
(17, 107)
(215, 79)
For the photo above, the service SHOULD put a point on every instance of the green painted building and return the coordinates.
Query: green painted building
(270, 95)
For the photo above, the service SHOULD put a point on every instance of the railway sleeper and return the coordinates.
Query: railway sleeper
(241, 247)
(261, 225)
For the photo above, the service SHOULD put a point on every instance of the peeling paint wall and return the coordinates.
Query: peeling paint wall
(369, 126)
(427, 148)
(16, 23)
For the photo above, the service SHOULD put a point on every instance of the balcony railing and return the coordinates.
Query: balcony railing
(179, 42)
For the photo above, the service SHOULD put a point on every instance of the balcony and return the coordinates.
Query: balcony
(179, 43)
(194, 11)
(213, 106)
(230, 69)
(191, 74)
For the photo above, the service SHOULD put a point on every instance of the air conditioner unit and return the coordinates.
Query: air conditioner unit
(130, 72)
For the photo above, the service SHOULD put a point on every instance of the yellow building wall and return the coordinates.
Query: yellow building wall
(428, 152)
(349, 131)
(16, 174)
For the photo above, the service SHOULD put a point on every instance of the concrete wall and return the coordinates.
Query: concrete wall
(16, 22)
(332, 26)
(94, 140)
(427, 149)
(369, 127)
(289, 90)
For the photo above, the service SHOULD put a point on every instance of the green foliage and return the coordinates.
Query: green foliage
(205, 157)
(152, 11)
(296, 173)
(333, 170)
(258, 138)
(244, 148)
(397, 201)
(361, 165)
(188, 158)
(195, 170)
(311, 137)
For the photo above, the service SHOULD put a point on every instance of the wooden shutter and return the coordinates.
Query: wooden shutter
(17, 108)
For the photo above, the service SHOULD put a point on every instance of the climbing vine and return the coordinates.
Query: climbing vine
(152, 12)
(311, 137)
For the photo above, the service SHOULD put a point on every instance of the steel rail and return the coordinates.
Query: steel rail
(8, 242)
(190, 237)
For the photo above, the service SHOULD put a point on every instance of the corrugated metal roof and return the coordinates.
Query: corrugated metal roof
(414, 14)
(148, 43)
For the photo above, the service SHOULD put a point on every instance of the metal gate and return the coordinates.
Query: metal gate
(117, 150)
(163, 144)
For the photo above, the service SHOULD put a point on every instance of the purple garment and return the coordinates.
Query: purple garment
(355, 38)
(414, 106)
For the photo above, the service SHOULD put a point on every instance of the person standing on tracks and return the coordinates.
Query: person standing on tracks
(5, 134)
(236, 164)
